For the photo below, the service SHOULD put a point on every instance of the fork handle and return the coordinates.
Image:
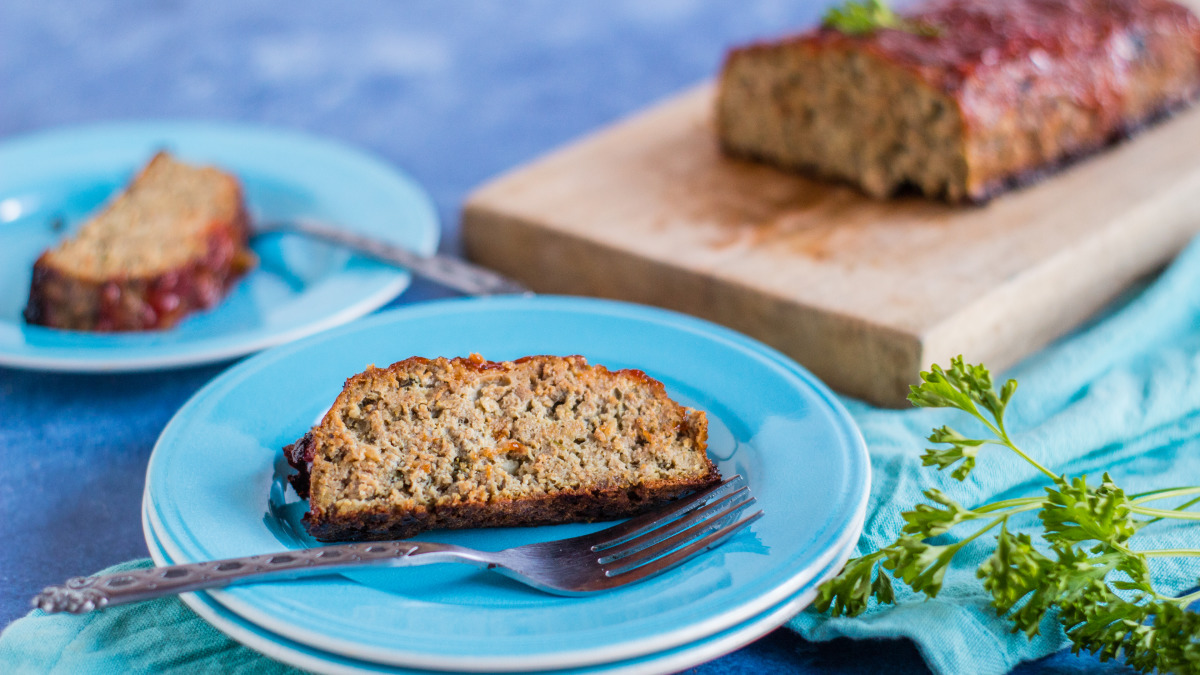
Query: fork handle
(84, 594)
(459, 275)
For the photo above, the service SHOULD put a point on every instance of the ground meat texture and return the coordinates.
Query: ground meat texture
(454, 443)
(173, 242)
(1001, 94)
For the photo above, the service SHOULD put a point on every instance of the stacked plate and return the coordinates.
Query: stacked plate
(216, 488)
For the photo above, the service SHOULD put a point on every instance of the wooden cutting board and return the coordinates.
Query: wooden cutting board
(864, 293)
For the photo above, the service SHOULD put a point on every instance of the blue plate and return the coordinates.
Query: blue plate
(53, 180)
(669, 661)
(214, 492)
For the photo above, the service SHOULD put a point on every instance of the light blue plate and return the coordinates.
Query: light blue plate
(213, 487)
(301, 286)
(669, 661)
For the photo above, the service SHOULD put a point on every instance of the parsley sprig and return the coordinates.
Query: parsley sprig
(1082, 569)
(855, 17)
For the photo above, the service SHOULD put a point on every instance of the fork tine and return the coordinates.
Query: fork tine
(633, 527)
(682, 555)
(712, 522)
(654, 536)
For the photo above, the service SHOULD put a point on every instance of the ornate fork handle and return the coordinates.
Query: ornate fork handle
(84, 594)
(453, 273)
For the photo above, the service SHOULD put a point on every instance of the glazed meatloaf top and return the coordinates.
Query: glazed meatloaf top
(977, 40)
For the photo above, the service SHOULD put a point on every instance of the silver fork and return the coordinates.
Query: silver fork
(460, 275)
(634, 550)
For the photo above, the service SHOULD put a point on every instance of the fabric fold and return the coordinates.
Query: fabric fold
(157, 636)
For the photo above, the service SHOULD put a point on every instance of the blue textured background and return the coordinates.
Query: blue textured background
(452, 92)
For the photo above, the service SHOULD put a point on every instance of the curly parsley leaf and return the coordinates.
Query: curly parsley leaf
(1017, 571)
(854, 17)
(932, 520)
(919, 564)
(1156, 635)
(860, 18)
(969, 388)
(962, 449)
(1138, 570)
(851, 591)
(1075, 512)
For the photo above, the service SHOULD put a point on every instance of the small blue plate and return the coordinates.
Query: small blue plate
(213, 490)
(669, 661)
(52, 181)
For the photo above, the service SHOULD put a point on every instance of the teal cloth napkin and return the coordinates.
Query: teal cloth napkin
(158, 636)
(1121, 394)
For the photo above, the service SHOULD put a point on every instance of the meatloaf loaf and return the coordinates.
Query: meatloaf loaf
(456, 443)
(993, 94)
(173, 242)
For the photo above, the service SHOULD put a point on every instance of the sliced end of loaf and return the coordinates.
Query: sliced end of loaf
(174, 241)
(842, 114)
(159, 223)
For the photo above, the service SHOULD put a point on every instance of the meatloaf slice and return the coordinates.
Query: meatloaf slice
(470, 443)
(995, 94)
(173, 242)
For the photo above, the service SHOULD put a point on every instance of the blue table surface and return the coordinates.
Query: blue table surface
(454, 93)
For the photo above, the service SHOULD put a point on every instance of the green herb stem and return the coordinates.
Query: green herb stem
(1186, 504)
(1165, 513)
(1169, 553)
(1181, 507)
(1049, 474)
(1165, 493)
(1003, 439)
(1030, 503)
(985, 528)
(1184, 600)
(1002, 434)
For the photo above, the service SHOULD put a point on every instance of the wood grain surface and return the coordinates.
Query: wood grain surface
(864, 293)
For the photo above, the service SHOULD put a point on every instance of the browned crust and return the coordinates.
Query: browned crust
(1031, 175)
(478, 363)
(1019, 178)
(566, 506)
(60, 299)
(599, 502)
